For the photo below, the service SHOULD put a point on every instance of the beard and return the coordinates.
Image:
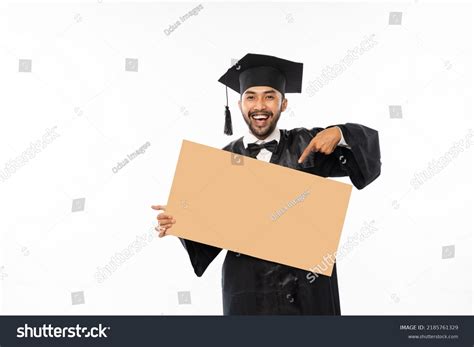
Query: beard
(265, 129)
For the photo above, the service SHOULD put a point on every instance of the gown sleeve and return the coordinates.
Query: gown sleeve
(200, 254)
(361, 162)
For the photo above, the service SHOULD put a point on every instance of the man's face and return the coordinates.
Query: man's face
(261, 108)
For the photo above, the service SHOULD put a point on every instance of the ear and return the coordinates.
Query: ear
(284, 104)
(240, 105)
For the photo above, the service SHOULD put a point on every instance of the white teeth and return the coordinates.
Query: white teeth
(260, 117)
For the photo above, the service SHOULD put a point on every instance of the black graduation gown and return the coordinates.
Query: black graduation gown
(255, 286)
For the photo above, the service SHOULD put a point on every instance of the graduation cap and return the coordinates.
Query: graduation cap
(261, 70)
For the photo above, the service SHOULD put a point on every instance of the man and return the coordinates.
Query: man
(255, 286)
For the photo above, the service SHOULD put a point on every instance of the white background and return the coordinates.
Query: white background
(102, 112)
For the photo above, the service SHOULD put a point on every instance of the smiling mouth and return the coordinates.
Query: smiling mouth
(260, 117)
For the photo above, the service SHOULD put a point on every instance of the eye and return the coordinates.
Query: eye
(249, 97)
(270, 97)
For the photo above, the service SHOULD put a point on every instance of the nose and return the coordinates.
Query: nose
(260, 105)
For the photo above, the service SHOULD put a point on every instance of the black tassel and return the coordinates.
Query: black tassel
(228, 122)
(228, 119)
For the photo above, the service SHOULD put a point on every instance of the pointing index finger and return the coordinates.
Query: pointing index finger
(305, 153)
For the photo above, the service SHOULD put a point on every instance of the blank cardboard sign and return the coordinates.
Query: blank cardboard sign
(257, 208)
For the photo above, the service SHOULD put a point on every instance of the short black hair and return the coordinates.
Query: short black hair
(282, 95)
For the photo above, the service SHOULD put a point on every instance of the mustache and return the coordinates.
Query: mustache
(266, 113)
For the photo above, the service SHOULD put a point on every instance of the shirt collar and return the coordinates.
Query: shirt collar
(251, 138)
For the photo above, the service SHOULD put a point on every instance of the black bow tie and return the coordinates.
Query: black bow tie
(254, 149)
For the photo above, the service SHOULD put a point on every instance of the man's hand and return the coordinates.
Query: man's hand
(325, 142)
(165, 221)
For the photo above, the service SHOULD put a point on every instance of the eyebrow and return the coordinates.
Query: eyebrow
(265, 92)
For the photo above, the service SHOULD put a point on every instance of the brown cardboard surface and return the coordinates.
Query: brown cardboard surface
(257, 208)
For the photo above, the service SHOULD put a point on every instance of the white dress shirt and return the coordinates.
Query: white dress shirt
(264, 153)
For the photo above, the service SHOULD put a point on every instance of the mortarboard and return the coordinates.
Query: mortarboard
(261, 70)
